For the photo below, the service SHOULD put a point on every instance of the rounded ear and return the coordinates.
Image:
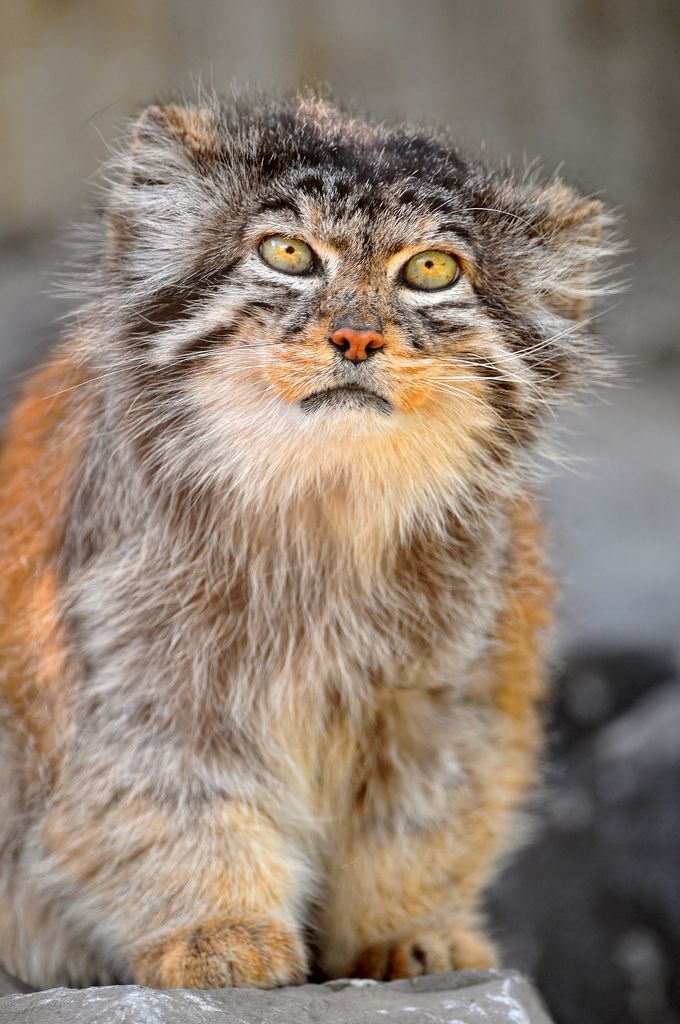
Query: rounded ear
(570, 234)
(169, 137)
(162, 190)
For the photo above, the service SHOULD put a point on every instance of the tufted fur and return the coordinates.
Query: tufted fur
(269, 668)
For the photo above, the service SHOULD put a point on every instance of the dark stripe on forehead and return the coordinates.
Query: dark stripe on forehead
(343, 189)
(408, 196)
(278, 204)
(455, 228)
(369, 203)
(310, 183)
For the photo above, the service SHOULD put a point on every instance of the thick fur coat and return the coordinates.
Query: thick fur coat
(271, 665)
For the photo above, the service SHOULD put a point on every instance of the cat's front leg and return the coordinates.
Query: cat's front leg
(396, 909)
(195, 900)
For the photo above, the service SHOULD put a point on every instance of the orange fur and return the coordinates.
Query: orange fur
(39, 453)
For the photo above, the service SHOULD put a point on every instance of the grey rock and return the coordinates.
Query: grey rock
(591, 910)
(469, 997)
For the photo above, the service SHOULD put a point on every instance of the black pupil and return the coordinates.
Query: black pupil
(429, 264)
(290, 249)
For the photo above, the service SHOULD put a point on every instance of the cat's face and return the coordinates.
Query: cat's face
(293, 279)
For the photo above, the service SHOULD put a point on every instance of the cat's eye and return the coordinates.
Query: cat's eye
(428, 271)
(289, 255)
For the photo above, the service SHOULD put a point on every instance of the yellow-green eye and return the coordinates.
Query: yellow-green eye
(430, 270)
(289, 255)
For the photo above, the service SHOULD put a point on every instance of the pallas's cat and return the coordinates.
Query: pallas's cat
(271, 590)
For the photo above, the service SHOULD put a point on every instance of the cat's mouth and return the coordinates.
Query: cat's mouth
(346, 396)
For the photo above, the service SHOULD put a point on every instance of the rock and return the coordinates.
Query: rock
(470, 997)
(591, 909)
(597, 686)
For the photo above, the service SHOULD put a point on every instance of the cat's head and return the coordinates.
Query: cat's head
(297, 291)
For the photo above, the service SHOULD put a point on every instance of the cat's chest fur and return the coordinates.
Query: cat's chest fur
(366, 716)
(395, 759)
(333, 663)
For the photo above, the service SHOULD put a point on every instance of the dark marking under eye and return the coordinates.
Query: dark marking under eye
(298, 323)
(550, 364)
(175, 304)
(259, 306)
(167, 306)
(504, 396)
(204, 343)
(514, 329)
(503, 386)
(442, 324)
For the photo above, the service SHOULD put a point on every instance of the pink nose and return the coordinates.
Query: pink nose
(357, 345)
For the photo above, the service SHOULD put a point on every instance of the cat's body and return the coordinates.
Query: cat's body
(270, 661)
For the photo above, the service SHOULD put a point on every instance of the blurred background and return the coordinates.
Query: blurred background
(591, 909)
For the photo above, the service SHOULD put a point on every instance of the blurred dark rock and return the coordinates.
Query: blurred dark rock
(596, 686)
(591, 909)
(471, 997)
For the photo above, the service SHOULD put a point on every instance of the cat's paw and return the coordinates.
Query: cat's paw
(223, 952)
(427, 952)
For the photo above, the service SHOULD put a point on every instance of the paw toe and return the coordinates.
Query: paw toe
(427, 953)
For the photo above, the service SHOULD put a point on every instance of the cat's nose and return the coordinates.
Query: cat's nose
(357, 345)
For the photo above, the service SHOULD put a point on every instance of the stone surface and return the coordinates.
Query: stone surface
(471, 997)
(591, 909)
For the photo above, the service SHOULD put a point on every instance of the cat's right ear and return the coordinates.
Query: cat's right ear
(163, 198)
(170, 140)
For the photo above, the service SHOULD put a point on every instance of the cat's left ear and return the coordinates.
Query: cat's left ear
(570, 236)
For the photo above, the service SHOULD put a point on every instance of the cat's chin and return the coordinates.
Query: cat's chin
(346, 399)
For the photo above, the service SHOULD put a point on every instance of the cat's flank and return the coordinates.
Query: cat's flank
(271, 589)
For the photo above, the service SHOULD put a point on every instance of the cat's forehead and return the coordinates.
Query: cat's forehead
(337, 176)
(342, 211)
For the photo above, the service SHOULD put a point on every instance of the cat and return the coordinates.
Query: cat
(273, 598)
